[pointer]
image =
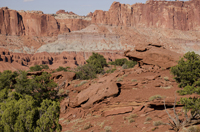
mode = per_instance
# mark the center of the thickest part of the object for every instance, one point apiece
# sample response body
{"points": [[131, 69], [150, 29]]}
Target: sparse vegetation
{"points": [[108, 128], [133, 80], [85, 72], [87, 126], [124, 63], [119, 79], [62, 68], [148, 119], [95, 65], [38, 67], [193, 129], [80, 84], [167, 87], [187, 75], [61, 91], [158, 123], [131, 120], [155, 97], [111, 71], [166, 78]]}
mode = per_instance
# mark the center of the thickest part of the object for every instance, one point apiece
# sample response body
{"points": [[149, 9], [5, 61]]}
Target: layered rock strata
{"points": [[158, 14]]}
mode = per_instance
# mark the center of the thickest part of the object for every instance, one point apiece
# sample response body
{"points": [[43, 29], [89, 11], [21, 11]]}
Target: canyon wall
{"points": [[36, 23], [158, 14]]}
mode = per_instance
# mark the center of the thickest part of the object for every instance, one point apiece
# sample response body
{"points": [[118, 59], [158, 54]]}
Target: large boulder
{"points": [[155, 55], [94, 94]]}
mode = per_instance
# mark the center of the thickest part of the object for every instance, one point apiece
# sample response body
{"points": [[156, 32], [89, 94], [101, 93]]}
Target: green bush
{"points": [[28, 104], [187, 75], [124, 63], [22, 114], [118, 62], [95, 65], [40, 87], [131, 64], [7, 79], [62, 68], [38, 67], [188, 69], [85, 72], [98, 62], [111, 71]]}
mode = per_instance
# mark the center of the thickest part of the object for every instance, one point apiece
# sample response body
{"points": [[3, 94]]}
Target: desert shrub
{"points": [[166, 78], [148, 119], [193, 129], [27, 104], [38, 67], [21, 113], [131, 64], [158, 123], [124, 66], [95, 65], [108, 128], [98, 62], [155, 97], [62, 68], [130, 117], [7, 79], [131, 120], [187, 75], [111, 71], [81, 83], [124, 63], [85, 72], [40, 87], [118, 62], [188, 69]]}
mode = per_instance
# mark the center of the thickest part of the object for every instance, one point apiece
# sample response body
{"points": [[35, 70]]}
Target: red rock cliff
{"points": [[11, 22], [35, 23], [158, 14]]}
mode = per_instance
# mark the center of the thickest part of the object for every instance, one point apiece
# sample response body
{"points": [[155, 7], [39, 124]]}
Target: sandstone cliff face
{"points": [[11, 22], [39, 24], [35, 23], [158, 14], [67, 25]]}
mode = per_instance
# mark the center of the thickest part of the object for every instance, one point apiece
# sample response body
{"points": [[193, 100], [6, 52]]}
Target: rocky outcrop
{"points": [[154, 55], [62, 78], [63, 12], [54, 60], [94, 94], [158, 14]]}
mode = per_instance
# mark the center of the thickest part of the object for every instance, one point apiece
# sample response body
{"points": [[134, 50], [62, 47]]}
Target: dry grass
{"points": [[87, 126], [119, 79], [148, 119], [80, 84], [158, 123], [166, 78], [155, 97], [61, 91], [133, 80], [193, 129], [108, 128]]}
